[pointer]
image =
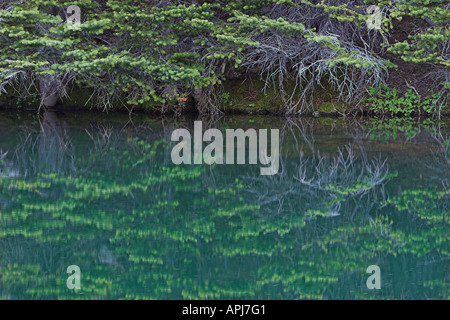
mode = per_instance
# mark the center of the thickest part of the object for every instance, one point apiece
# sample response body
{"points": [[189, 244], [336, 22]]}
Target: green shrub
{"points": [[384, 100]]}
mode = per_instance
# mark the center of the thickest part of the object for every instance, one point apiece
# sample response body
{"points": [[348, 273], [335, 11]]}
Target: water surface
{"points": [[100, 192]]}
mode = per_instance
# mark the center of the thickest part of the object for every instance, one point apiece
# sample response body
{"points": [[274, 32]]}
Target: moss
{"points": [[335, 108], [249, 97]]}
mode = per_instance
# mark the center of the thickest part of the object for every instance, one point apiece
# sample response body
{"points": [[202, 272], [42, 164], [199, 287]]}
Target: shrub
{"points": [[385, 100]]}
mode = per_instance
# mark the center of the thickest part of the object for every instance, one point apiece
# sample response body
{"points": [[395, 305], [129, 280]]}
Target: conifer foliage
{"points": [[142, 52]]}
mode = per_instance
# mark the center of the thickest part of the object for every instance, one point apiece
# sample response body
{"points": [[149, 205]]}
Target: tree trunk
{"points": [[49, 87]]}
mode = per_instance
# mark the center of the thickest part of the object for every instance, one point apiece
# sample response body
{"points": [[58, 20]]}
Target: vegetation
{"points": [[146, 53], [384, 100], [108, 198]]}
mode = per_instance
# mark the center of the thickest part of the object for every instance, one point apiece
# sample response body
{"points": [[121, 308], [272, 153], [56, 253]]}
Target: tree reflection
{"points": [[111, 202]]}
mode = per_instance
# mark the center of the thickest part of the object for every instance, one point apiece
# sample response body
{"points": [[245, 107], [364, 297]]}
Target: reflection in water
{"points": [[104, 195], [54, 149], [46, 150]]}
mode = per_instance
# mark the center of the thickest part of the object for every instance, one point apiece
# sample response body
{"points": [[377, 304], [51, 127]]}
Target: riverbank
{"points": [[237, 96]]}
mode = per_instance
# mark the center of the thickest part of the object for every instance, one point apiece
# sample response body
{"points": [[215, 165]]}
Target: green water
{"points": [[100, 192]]}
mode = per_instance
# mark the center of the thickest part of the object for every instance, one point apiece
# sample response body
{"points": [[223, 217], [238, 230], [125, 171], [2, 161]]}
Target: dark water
{"points": [[100, 192]]}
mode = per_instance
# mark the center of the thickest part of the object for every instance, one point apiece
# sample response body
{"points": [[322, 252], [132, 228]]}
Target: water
{"points": [[100, 192]]}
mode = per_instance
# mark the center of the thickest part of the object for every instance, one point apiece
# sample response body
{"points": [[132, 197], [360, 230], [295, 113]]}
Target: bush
{"points": [[384, 100]]}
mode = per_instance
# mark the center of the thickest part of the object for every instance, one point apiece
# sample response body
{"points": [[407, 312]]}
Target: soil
{"points": [[408, 75]]}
